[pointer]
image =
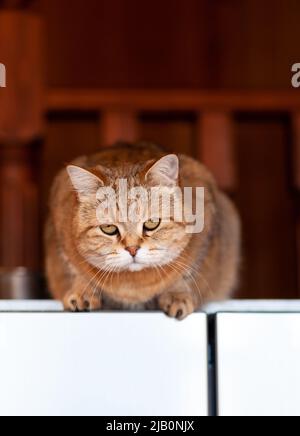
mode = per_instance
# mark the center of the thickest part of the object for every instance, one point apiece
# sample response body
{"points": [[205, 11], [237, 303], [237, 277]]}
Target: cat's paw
{"points": [[76, 301], [177, 305]]}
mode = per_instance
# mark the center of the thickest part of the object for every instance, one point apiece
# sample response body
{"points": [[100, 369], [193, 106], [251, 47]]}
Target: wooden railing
{"points": [[172, 99], [214, 111]]}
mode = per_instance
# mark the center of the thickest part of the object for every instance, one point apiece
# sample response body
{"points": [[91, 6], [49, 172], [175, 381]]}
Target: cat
{"points": [[93, 263]]}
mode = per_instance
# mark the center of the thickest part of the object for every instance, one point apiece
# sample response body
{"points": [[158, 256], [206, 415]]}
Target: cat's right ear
{"points": [[85, 183], [164, 172]]}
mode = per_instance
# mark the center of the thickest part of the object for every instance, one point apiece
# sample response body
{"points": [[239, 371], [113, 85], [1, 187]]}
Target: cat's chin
{"points": [[136, 267]]}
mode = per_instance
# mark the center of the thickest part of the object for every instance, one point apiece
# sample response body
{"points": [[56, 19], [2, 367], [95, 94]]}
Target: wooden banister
{"points": [[176, 99]]}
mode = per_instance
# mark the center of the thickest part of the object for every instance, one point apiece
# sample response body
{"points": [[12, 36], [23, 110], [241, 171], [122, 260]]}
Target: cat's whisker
{"points": [[111, 271], [205, 262], [83, 260], [94, 277], [186, 271], [158, 269], [178, 270], [98, 285], [102, 278], [190, 259], [198, 272]]}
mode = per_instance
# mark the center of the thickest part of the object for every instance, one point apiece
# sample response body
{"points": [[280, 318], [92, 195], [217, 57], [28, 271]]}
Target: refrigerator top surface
{"points": [[231, 306]]}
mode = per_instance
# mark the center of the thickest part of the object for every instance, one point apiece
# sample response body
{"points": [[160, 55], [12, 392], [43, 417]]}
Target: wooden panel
{"points": [[21, 102], [174, 131], [296, 171], [296, 148], [16, 4], [119, 126], [19, 219], [266, 204], [21, 123], [254, 43], [67, 137], [199, 43], [126, 43], [298, 250], [216, 147]]}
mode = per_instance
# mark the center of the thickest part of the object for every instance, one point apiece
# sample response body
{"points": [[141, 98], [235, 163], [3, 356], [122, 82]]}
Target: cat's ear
{"points": [[164, 172], [85, 183]]}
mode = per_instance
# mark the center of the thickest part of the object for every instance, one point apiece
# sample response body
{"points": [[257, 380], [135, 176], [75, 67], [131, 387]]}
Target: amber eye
{"points": [[110, 230], [152, 225]]}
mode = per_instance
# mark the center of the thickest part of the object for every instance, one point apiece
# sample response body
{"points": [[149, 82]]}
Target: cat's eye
{"points": [[110, 230], [152, 225]]}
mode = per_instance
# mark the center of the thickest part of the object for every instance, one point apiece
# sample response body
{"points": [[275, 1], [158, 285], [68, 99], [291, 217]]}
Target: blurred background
{"points": [[207, 78]]}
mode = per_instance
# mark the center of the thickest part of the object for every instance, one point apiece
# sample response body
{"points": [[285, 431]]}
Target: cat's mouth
{"points": [[136, 265], [123, 261]]}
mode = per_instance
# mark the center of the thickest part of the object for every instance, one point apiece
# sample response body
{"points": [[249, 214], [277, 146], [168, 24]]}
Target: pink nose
{"points": [[132, 250]]}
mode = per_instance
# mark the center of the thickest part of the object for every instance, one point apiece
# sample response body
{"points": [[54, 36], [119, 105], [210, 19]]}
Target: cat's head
{"points": [[151, 239]]}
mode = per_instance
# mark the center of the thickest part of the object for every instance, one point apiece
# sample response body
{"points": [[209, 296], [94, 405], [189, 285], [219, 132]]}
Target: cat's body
{"points": [[130, 266]]}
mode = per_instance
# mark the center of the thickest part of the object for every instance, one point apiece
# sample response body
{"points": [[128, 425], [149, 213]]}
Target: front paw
{"points": [[78, 301], [177, 305]]}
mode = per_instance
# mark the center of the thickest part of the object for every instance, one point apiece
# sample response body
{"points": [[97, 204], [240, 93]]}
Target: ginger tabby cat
{"points": [[94, 263]]}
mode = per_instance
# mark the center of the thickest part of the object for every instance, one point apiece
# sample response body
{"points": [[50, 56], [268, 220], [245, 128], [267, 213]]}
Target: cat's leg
{"points": [[178, 302], [82, 297]]}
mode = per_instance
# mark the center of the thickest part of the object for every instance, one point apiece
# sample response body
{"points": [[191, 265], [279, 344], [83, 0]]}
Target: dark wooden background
{"points": [[192, 45]]}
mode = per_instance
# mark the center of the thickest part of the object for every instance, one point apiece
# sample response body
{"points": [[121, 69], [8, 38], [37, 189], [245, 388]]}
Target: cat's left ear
{"points": [[84, 182], [164, 172]]}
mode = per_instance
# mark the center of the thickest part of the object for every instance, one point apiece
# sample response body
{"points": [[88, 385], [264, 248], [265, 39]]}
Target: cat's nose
{"points": [[133, 250]]}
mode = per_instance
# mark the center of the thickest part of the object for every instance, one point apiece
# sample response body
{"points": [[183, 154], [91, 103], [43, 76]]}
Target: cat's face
{"points": [[128, 245], [133, 247]]}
